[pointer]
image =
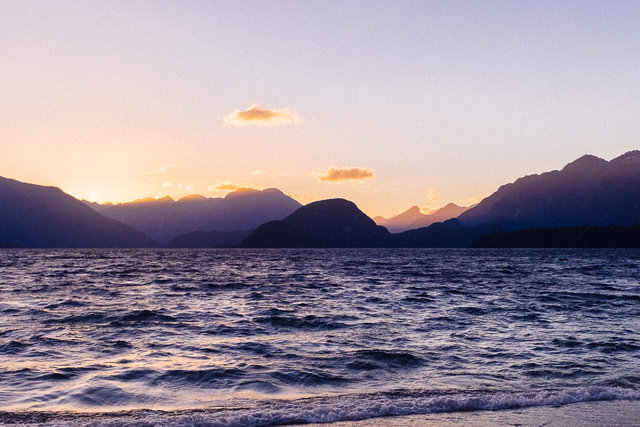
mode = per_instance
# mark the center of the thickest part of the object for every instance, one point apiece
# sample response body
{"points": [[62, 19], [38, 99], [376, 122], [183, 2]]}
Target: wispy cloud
{"points": [[256, 115], [432, 196], [186, 187], [167, 184], [346, 174], [161, 169], [223, 186]]}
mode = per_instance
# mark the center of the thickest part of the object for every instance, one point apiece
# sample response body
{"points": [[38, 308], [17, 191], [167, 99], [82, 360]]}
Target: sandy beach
{"points": [[604, 413]]}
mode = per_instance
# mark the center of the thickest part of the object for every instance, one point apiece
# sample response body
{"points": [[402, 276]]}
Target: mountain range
{"points": [[413, 218], [165, 219], [587, 192], [337, 223]]}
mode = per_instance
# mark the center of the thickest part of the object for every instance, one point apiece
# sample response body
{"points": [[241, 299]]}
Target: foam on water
{"points": [[329, 409]]}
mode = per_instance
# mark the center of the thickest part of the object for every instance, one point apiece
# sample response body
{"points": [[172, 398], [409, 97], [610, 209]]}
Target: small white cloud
{"points": [[256, 115], [167, 184]]}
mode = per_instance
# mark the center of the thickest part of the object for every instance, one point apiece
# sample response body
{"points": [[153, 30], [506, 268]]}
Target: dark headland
{"points": [[586, 236]]}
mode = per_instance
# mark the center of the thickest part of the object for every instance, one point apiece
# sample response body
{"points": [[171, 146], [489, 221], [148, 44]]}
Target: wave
{"points": [[354, 407], [131, 317], [309, 322]]}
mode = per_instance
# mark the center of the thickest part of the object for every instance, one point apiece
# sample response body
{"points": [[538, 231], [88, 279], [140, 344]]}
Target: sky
{"points": [[386, 103]]}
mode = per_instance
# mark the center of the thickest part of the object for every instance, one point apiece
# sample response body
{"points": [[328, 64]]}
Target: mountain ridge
{"points": [[165, 219], [36, 216], [588, 190], [337, 223], [326, 223], [413, 218]]}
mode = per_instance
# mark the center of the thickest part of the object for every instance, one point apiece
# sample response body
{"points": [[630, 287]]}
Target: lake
{"points": [[237, 336]]}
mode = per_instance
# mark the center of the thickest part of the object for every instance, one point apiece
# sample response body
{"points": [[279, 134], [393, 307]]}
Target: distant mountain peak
{"points": [[243, 192], [240, 192], [165, 199], [450, 208], [451, 205], [412, 213], [585, 163], [588, 190], [414, 218], [271, 191], [630, 157], [192, 197]]}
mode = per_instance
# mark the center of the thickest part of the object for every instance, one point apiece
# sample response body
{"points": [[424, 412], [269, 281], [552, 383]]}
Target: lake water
{"points": [[238, 337]]}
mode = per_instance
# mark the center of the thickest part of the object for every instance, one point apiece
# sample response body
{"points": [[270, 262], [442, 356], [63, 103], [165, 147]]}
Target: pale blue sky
{"points": [[457, 97]]}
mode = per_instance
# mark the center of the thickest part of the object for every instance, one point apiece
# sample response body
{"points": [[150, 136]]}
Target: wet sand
{"points": [[604, 413]]}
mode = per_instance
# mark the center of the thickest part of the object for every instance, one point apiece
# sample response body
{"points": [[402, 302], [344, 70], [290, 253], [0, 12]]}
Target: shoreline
{"points": [[594, 413]]}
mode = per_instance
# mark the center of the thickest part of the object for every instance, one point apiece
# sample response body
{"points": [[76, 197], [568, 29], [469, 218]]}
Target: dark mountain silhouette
{"points": [[412, 218], [447, 234], [165, 219], [45, 217], [279, 234], [11, 245], [588, 191], [334, 223], [339, 223], [586, 236], [209, 239], [98, 207]]}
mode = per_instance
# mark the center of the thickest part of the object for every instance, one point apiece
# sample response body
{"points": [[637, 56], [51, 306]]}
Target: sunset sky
{"points": [[385, 103]]}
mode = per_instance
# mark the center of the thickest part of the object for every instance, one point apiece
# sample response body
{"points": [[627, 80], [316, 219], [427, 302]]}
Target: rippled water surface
{"points": [[279, 336]]}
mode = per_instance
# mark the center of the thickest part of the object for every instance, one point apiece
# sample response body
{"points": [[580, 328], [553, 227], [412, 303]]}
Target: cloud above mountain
{"points": [[346, 174], [223, 186], [257, 115], [433, 197]]}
